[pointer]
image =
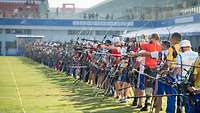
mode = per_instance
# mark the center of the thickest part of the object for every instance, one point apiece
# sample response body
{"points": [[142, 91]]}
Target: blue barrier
{"points": [[101, 23]]}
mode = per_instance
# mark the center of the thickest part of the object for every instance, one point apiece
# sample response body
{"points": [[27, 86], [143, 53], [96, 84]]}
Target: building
{"points": [[23, 8], [98, 24], [57, 30]]}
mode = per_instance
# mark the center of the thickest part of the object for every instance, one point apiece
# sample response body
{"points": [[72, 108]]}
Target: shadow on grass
{"points": [[81, 95]]}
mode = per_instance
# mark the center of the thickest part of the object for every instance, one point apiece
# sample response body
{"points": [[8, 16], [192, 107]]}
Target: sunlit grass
{"points": [[42, 90]]}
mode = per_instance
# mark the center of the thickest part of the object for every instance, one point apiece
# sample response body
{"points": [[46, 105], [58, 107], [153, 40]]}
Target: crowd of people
{"points": [[151, 68]]}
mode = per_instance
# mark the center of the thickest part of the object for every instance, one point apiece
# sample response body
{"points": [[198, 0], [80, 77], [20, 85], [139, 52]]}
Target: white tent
{"points": [[184, 28]]}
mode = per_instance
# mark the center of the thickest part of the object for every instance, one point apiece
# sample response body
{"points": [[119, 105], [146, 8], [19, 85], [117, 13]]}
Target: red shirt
{"points": [[151, 47], [116, 54]]}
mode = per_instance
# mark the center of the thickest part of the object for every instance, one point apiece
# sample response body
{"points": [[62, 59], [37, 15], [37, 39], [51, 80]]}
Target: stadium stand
{"points": [[69, 22], [143, 9], [23, 8]]}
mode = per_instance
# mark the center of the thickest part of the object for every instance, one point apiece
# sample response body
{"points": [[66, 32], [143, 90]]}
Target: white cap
{"points": [[185, 43], [116, 39]]}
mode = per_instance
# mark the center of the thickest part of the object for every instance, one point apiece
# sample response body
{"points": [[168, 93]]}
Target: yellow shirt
{"points": [[197, 73], [170, 57]]}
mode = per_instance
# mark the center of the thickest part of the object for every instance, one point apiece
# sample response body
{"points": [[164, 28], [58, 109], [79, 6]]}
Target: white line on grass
{"points": [[19, 96], [18, 92]]}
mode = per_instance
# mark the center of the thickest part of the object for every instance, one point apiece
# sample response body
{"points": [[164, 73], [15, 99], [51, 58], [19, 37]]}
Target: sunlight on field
{"points": [[26, 86]]}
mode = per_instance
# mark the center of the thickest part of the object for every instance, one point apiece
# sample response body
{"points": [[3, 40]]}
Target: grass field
{"points": [[28, 87]]}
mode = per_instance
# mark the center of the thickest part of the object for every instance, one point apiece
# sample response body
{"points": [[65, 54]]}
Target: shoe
{"points": [[123, 100], [117, 97], [139, 106], [148, 104], [134, 103], [144, 108]]}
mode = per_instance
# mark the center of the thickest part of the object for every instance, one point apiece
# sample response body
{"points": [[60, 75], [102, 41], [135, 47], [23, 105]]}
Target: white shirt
{"points": [[123, 50], [141, 60], [188, 58], [155, 54]]}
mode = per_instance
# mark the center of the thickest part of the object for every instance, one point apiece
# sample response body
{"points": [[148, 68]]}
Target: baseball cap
{"points": [[185, 43]]}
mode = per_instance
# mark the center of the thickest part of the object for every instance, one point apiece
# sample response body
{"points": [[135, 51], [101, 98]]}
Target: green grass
{"points": [[42, 90]]}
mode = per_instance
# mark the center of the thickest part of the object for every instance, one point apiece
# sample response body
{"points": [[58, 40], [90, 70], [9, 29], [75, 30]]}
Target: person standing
{"points": [[194, 104], [173, 52], [150, 66], [185, 59]]}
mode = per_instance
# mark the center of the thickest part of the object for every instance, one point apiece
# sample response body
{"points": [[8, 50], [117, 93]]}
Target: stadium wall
{"points": [[65, 30]]}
